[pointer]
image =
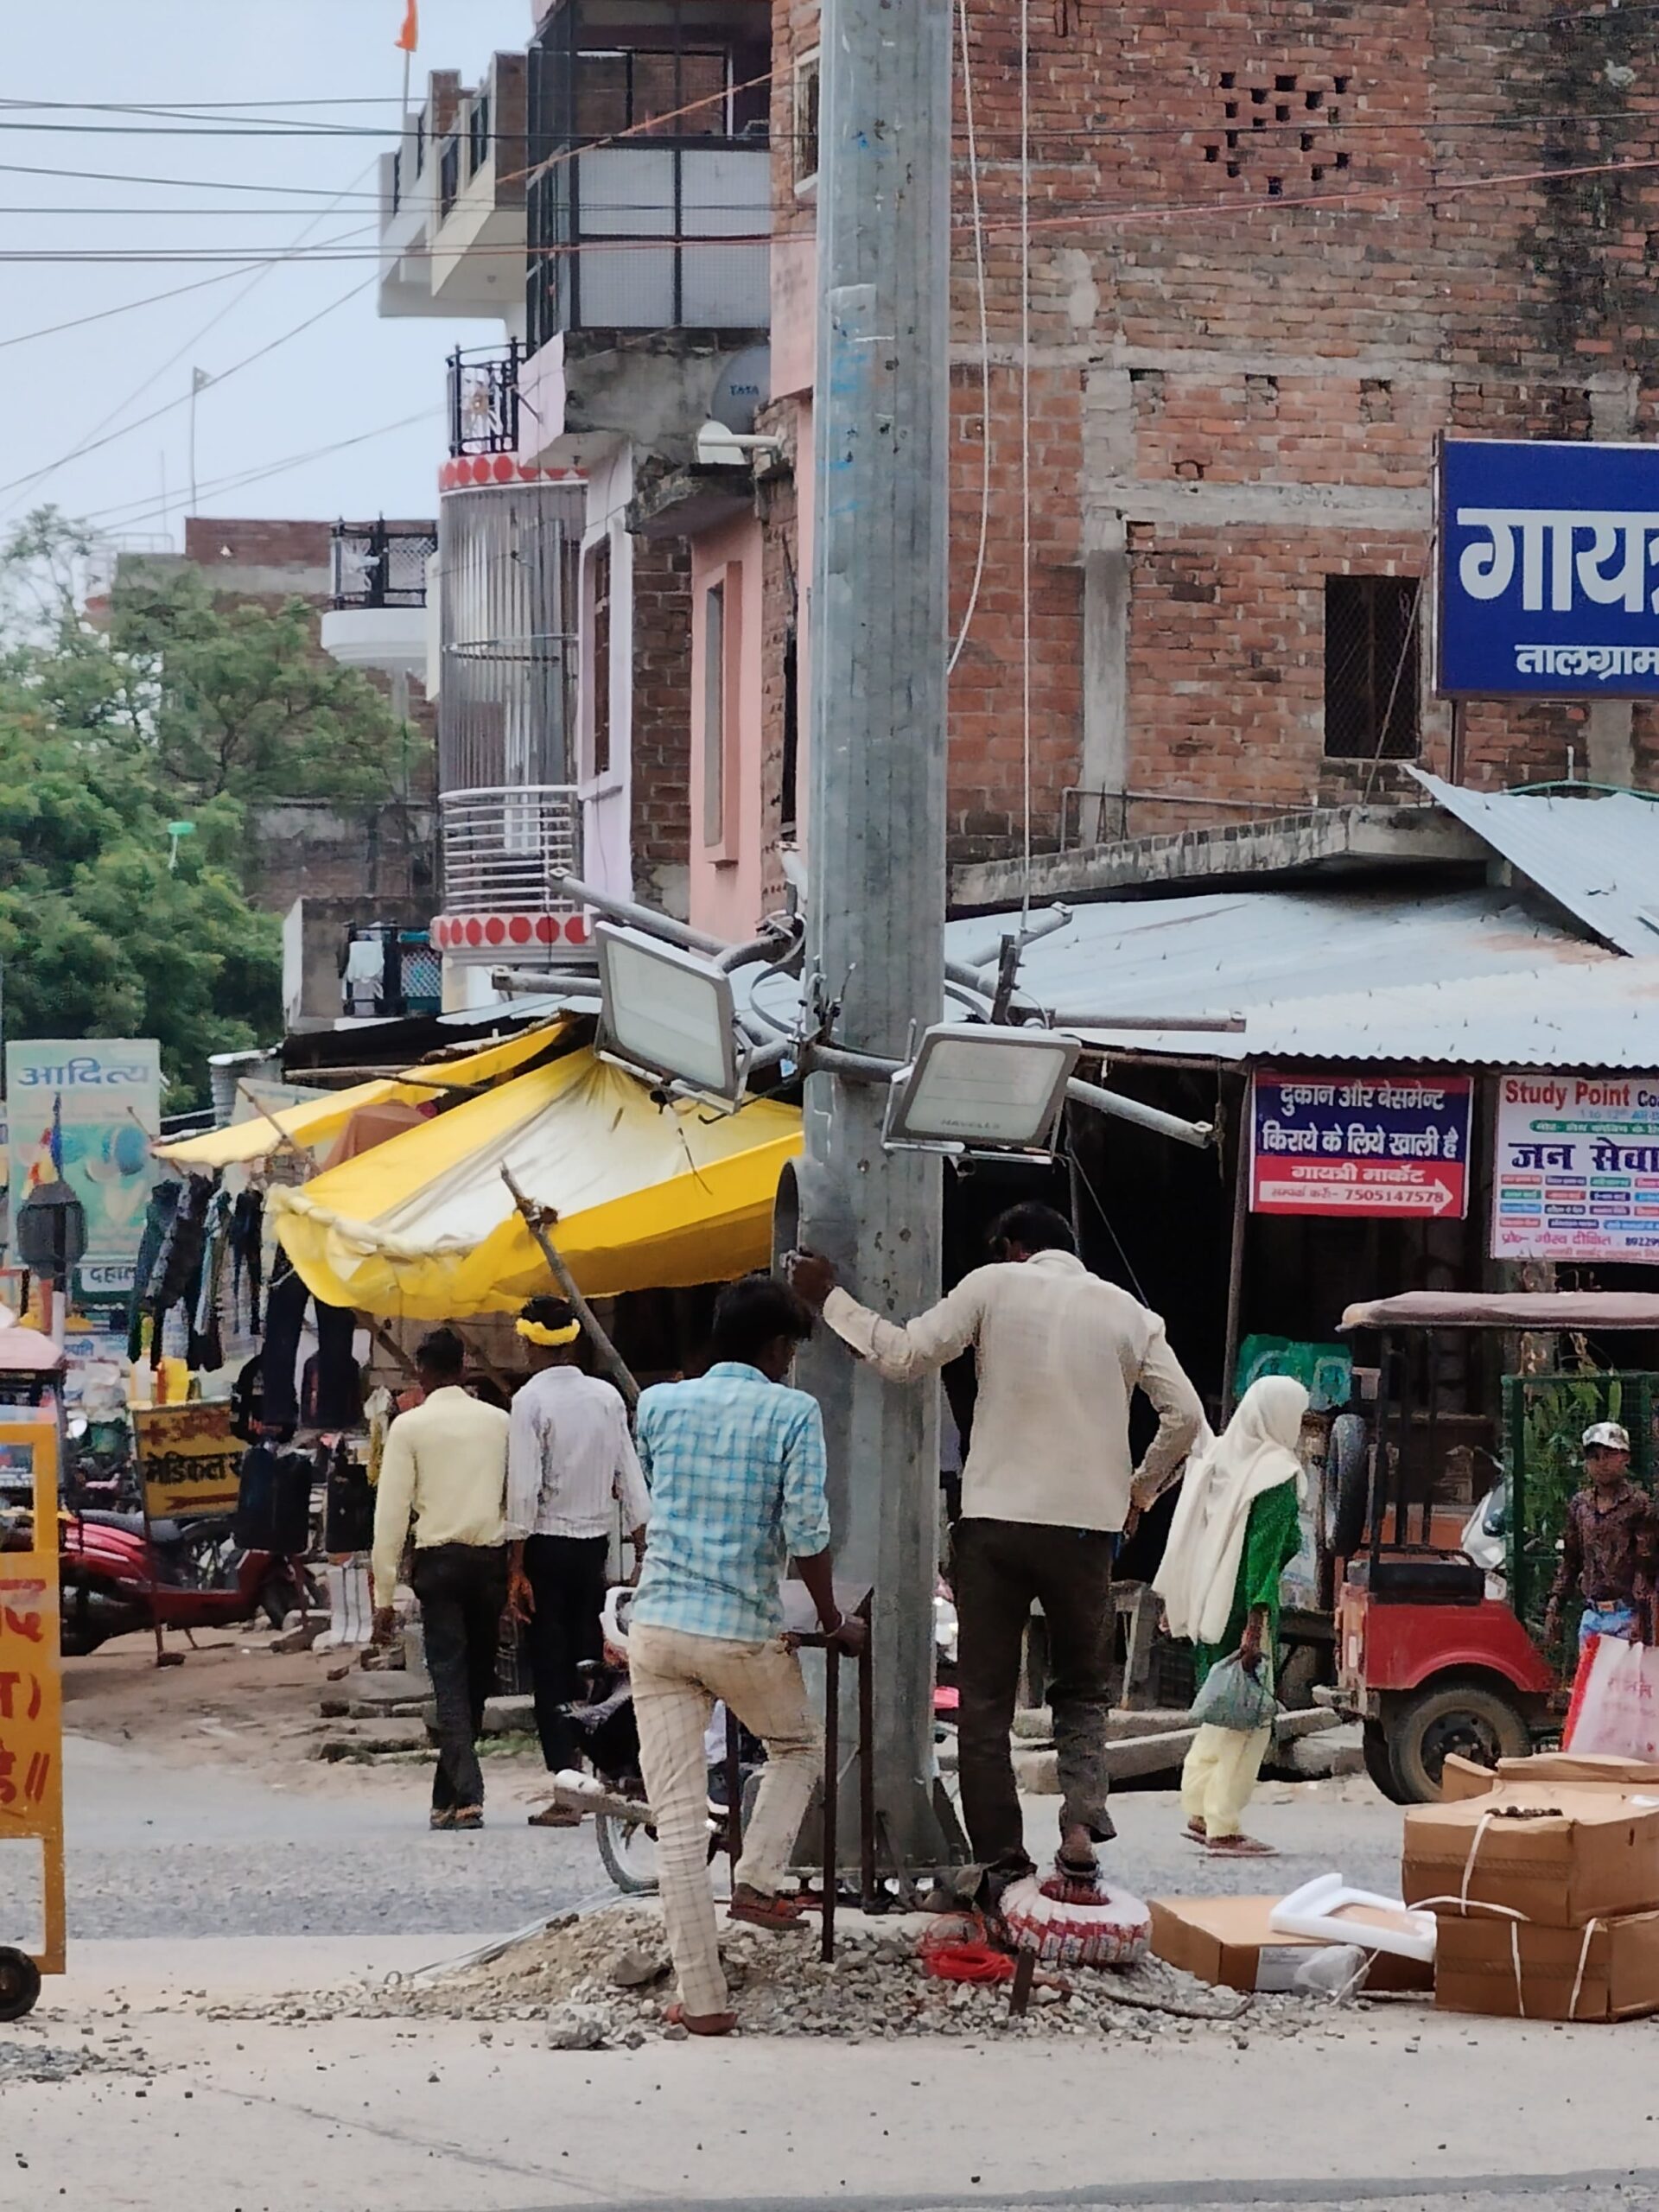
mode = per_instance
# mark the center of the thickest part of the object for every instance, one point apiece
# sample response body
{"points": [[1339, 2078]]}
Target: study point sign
{"points": [[1548, 573], [1576, 1171]]}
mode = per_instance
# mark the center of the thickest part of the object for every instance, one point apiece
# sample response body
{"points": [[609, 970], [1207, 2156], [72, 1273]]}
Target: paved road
{"points": [[174, 1851], [181, 1851]]}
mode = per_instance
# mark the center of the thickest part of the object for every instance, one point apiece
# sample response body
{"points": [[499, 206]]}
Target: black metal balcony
{"points": [[380, 564], [484, 400]]}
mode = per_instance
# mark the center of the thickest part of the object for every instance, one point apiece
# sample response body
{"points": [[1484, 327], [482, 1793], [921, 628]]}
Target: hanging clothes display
{"points": [[285, 1305], [206, 1349], [158, 1222], [332, 1395], [247, 1233], [331, 1392]]}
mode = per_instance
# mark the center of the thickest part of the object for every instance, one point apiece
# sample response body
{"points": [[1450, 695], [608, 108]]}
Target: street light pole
{"points": [[877, 868]]}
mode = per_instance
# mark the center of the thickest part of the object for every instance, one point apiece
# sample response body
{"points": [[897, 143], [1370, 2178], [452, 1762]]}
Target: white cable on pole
{"points": [[972, 607], [1025, 449]]}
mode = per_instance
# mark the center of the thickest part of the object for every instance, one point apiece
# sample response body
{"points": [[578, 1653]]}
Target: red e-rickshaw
{"points": [[1426, 1658]]}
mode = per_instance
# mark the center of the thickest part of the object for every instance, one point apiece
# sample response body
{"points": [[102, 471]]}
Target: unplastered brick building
{"points": [[1265, 277]]}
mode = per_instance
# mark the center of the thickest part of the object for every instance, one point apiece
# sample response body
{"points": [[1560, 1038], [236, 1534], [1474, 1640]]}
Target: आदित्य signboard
{"points": [[189, 1461], [85, 1112], [1358, 1142], [1548, 570], [1576, 1171]]}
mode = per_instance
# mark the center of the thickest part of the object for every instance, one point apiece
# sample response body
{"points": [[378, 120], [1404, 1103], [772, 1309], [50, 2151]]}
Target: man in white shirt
{"points": [[569, 1461], [1048, 1484], [446, 1468]]}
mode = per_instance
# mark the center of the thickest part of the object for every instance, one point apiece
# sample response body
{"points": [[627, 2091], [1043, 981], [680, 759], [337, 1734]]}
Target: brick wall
{"points": [[1232, 402], [661, 743]]}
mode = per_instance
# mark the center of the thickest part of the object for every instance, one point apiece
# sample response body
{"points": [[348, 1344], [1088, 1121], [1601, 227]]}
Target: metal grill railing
{"points": [[484, 400], [378, 564], [504, 850]]}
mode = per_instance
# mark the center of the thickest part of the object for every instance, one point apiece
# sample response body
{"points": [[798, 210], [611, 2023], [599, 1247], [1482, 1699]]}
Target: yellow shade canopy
{"points": [[647, 1197], [313, 1126]]}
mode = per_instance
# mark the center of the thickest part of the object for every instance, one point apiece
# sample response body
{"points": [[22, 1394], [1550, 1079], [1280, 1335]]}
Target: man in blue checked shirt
{"points": [[735, 1461]]}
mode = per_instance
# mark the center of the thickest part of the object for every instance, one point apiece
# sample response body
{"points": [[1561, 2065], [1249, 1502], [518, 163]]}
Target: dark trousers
{"points": [[567, 1580], [1001, 1567], [463, 1592]]}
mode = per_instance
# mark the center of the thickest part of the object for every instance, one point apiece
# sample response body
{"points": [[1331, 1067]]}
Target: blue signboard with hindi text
{"points": [[1548, 570]]}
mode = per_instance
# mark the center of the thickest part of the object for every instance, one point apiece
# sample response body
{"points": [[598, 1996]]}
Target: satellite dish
{"points": [[744, 388]]}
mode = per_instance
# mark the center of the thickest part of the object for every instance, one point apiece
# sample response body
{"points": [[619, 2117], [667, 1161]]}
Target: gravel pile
{"points": [[25, 2055], [603, 1979]]}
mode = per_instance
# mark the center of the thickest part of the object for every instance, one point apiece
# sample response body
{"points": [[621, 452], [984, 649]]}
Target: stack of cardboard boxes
{"points": [[1544, 1878]]}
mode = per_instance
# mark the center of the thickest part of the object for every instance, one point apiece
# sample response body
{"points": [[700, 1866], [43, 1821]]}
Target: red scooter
{"points": [[116, 1578]]}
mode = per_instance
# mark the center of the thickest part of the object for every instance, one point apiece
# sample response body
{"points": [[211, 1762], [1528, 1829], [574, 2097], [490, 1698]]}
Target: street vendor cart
{"points": [[1428, 1659]]}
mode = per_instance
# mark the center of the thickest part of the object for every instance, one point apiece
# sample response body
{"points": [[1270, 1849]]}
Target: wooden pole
{"points": [[535, 1219]]}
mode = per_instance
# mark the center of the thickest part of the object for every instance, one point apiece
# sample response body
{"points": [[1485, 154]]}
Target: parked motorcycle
{"points": [[117, 1577]]}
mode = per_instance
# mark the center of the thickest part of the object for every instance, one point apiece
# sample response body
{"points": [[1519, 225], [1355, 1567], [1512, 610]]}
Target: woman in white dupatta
{"points": [[1237, 1526]]}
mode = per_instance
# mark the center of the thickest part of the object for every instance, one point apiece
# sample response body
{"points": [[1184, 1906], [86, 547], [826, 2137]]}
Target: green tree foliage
{"points": [[174, 710]]}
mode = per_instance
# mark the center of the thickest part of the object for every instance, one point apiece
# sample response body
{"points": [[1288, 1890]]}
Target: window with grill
{"points": [[806, 121], [599, 657], [1372, 668], [653, 92], [478, 133], [714, 715]]}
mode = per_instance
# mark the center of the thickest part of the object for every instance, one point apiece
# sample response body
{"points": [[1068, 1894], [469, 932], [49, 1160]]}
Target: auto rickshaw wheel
{"points": [[20, 1984], [1379, 1762], [1466, 1717]]}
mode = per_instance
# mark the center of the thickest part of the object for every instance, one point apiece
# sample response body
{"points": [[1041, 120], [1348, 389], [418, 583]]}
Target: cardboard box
{"points": [[1227, 1941], [1613, 1965], [1583, 1771], [1556, 1854], [1580, 1768], [1462, 1777]]}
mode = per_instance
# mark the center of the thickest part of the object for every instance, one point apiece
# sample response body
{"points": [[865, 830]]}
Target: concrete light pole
{"points": [[877, 878]]}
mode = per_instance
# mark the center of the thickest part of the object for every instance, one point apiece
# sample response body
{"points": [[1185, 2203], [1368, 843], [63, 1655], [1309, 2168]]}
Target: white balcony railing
{"points": [[505, 851]]}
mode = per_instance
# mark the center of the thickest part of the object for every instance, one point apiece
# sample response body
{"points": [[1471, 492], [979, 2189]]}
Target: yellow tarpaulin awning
{"points": [[647, 1197], [314, 1127]]}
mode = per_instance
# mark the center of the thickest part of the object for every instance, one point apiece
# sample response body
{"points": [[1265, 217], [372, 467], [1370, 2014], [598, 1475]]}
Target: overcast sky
{"points": [[353, 373]]}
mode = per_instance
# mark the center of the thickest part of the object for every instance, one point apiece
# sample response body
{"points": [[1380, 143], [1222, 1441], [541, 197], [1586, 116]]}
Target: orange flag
{"points": [[409, 37]]}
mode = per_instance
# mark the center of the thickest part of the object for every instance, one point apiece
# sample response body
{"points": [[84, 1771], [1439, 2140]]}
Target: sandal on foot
{"points": [[700, 2024], [556, 1815], [779, 1915], [1240, 1846], [467, 1816], [1197, 1831], [442, 1817]]}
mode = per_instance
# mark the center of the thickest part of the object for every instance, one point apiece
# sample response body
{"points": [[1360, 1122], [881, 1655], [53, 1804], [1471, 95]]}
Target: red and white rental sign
{"points": [[1353, 1141]]}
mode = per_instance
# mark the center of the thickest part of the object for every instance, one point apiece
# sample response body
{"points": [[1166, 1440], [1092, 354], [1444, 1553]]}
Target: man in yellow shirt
{"points": [[445, 1469]]}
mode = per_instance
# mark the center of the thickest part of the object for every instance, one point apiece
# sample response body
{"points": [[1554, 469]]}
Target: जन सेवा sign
{"points": [[190, 1462], [1548, 582], [1358, 1142], [1576, 1171]]}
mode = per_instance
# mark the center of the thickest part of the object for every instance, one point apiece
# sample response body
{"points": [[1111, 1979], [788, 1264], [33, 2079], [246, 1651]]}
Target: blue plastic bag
{"points": [[1233, 1698]]}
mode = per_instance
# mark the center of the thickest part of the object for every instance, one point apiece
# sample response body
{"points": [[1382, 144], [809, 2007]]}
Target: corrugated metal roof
{"points": [[1241, 953], [1596, 855], [1555, 1017]]}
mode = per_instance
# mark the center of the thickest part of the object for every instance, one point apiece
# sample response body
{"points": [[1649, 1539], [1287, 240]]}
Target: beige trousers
{"points": [[1219, 1774], [676, 1679]]}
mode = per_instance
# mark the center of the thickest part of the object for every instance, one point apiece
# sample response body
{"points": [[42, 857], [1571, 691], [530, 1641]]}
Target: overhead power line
{"points": [[122, 516], [126, 307], [95, 445]]}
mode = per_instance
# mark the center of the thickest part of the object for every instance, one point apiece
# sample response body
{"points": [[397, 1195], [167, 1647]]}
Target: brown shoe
{"points": [[756, 1910], [555, 1816]]}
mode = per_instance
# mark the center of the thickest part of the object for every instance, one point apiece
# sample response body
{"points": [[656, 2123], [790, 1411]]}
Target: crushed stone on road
{"points": [[603, 1978], [25, 2055]]}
